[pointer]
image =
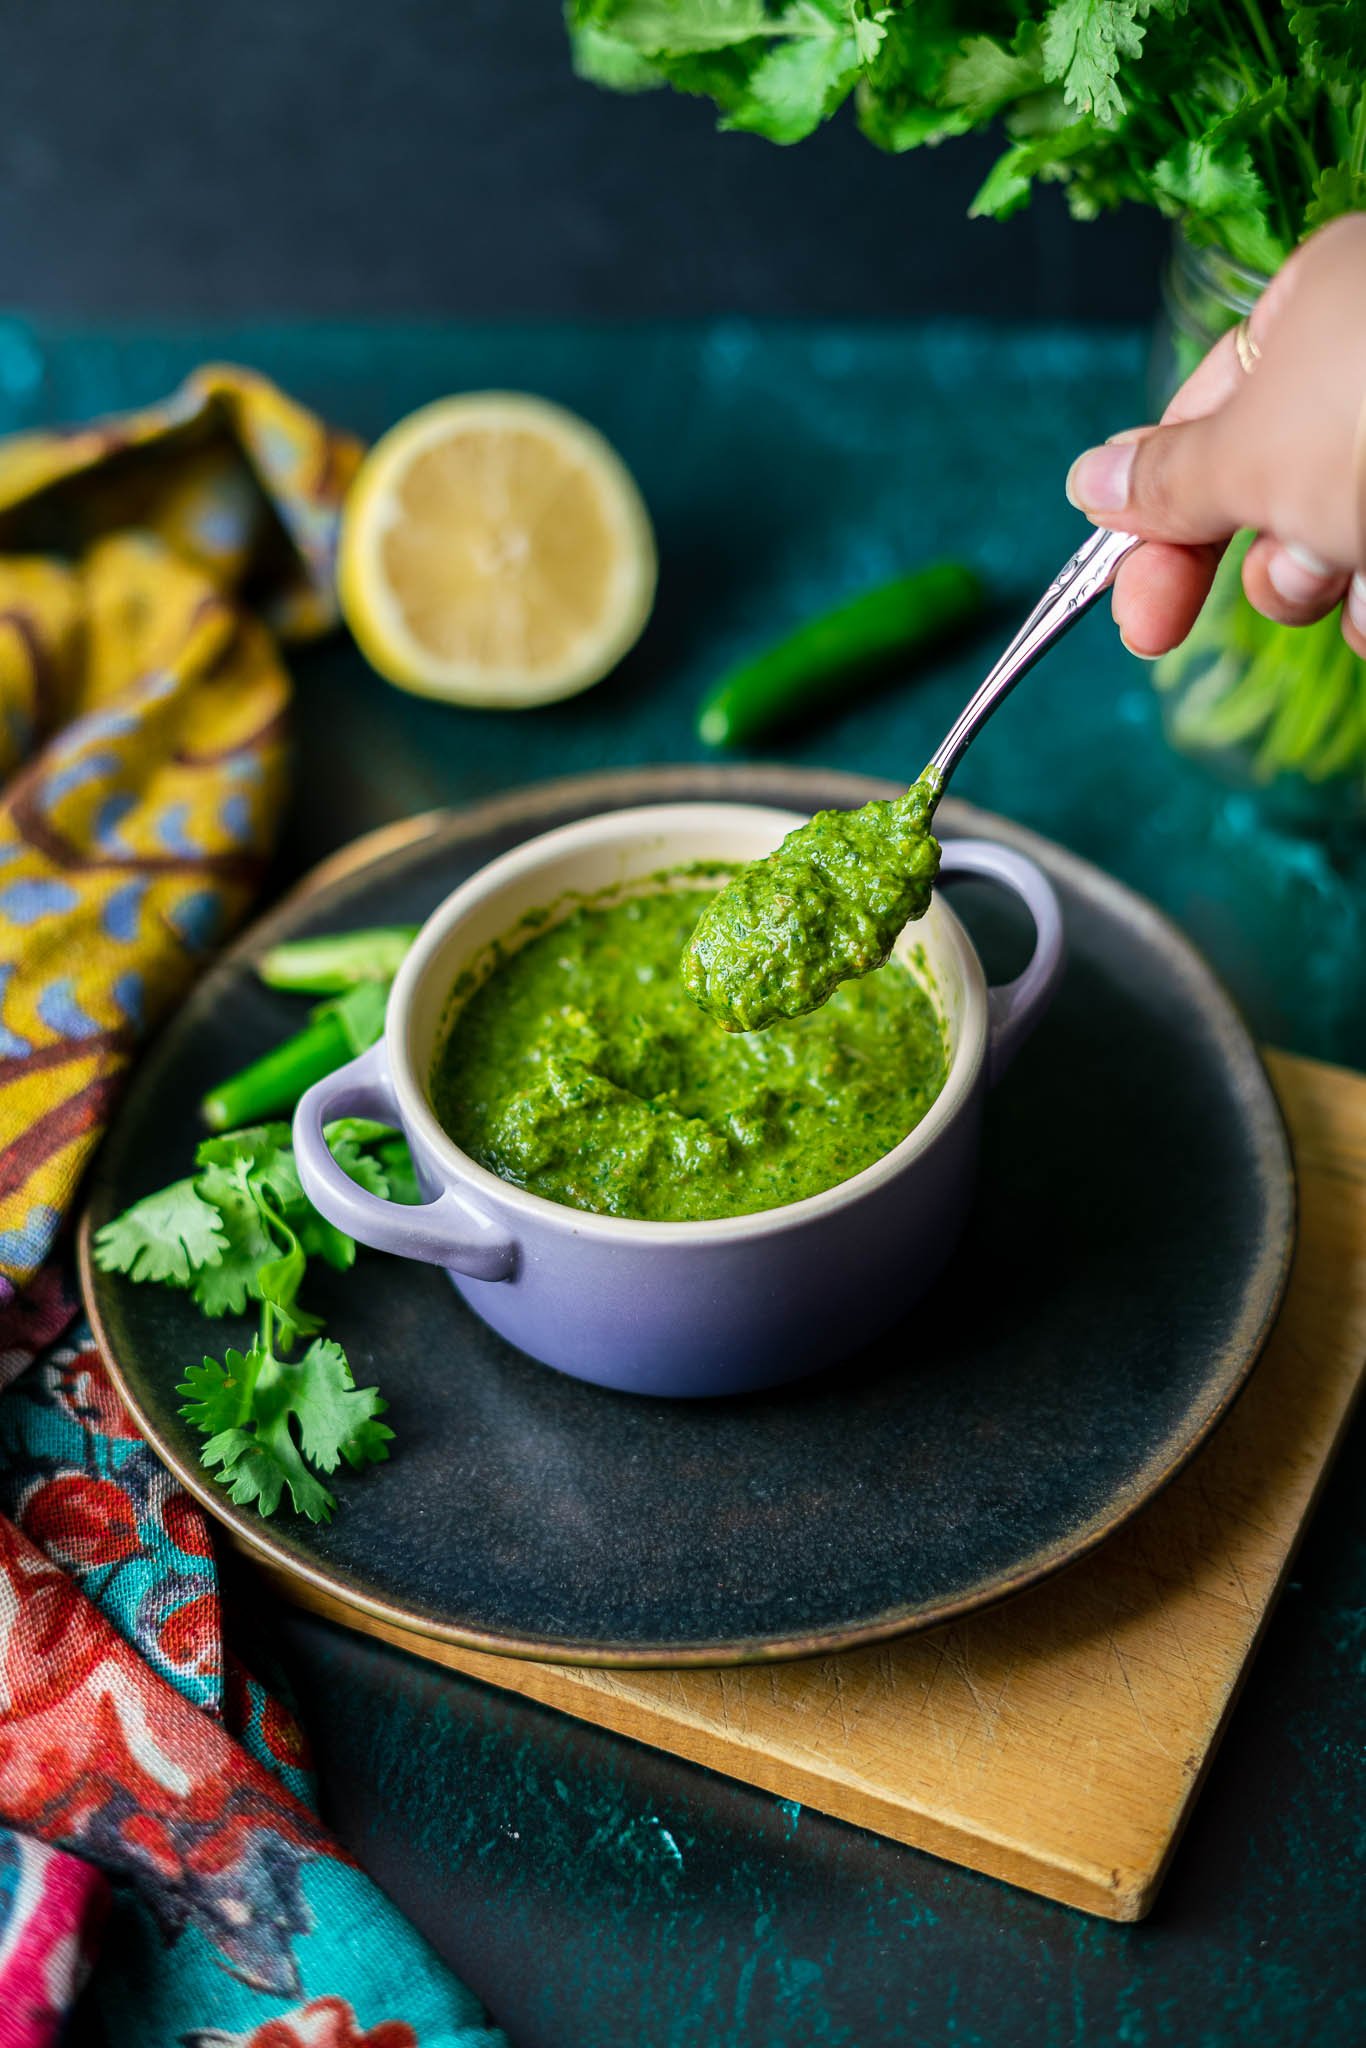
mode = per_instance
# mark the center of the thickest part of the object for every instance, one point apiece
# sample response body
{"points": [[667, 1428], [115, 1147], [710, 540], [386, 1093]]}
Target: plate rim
{"points": [[527, 804]]}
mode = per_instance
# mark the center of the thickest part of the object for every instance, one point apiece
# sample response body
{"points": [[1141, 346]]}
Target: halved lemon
{"points": [[495, 551]]}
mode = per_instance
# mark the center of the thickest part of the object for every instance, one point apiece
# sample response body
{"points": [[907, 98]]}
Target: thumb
{"points": [[1184, 483]]}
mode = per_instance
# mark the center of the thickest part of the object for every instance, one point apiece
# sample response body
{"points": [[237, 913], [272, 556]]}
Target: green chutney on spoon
{"points": [[830, 903], [826, 906]]}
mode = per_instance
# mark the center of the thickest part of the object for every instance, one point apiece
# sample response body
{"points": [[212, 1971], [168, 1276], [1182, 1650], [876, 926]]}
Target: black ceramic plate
{"points": [[1123, 1263]]}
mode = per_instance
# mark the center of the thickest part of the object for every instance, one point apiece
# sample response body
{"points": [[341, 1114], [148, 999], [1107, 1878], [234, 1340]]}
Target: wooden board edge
{"points": [[1327, 1462], [1119, 1894], [1123, 1895], [1112, 1894]]}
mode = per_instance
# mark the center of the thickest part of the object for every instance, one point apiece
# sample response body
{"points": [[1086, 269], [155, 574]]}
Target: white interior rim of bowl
{"points": [[965, 1065]]}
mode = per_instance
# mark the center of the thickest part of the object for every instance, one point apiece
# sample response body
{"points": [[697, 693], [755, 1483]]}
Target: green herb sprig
{"points": [[1292, 696], [241, 1230], [1243, 120]]}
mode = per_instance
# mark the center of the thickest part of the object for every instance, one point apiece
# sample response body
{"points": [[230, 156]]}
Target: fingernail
{"points": [[1137, 652], [1098, 481], [1356, 602], [1296, 574]]}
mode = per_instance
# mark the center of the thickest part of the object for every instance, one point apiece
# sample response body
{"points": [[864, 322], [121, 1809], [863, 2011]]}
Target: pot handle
{"points": [[1014, 1007], [445, 1232]]}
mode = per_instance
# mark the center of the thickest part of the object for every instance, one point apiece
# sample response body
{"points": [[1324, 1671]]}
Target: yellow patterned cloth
{"points": [[147, 565]]}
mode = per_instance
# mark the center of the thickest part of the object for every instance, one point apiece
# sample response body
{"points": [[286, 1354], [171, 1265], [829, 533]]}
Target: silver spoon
{"points": [[1075, 588]]}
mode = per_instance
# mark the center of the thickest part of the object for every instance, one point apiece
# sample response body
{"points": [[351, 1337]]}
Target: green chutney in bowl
{"points": [[620, 1187], [581, 1070]]}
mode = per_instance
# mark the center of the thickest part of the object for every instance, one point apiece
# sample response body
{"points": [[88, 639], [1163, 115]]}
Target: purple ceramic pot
{"points": [[686, 1309]]}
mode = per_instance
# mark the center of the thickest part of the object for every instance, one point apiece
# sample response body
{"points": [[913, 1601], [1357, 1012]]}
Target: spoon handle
{"points": [[1073, 591]]}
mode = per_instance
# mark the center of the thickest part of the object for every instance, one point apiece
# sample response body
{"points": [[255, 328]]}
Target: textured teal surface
{"points": [[600, 1895], [596, 1894], [788, 466]]}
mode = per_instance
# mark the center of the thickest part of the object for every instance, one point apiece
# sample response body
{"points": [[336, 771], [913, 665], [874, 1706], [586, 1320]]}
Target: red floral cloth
{"points": [[135, 1753]]}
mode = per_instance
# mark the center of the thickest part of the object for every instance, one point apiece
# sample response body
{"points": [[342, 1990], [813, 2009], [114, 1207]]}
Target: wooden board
{"points": [[1056, 1741]]}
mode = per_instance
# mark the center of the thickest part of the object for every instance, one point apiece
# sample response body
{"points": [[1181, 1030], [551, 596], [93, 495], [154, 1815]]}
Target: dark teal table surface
{"points": [[597, 1894]]}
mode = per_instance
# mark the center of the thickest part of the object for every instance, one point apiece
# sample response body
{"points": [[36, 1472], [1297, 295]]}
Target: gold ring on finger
{"points": [[1249, 355]]}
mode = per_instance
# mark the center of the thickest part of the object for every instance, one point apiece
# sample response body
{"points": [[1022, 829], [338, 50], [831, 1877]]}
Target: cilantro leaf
{"points": [[911, 125], [322, 1240], [1248, 116], [797, 85], [250, 1408], [983, 75], [1338, 189], [1220, 190], [774, 71], [397, 1163], [1009, 181], [360, 1130], [229, 1404], [360, 1166], [901, 99], [1333, 38], [603, 59], [1084, 42], [291, 1208], [256, 1471], [870, 32], [245, 1215], [226, 1287], [172, 1236], [673, 27], [259, 1159], [337, 1419], [257, 1145]]}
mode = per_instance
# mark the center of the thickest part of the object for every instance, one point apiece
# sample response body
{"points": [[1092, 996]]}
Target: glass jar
{"points": [[1279, 710], [1204, 293]]}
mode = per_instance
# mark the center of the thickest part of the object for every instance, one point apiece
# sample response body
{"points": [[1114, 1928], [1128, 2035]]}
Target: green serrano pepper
{"points": [[336, 961], [270, 1086], [815, 665]]}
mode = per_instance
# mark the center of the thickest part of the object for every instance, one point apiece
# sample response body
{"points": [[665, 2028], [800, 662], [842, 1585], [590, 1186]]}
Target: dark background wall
{"points": [[439, 157]]}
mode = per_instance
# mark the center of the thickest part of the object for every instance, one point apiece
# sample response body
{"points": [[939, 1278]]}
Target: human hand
{"points": [[1280, 448]]}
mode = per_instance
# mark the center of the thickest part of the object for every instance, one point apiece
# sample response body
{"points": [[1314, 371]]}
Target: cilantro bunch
{"points": [[240, 1230], [1244, 120]]}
